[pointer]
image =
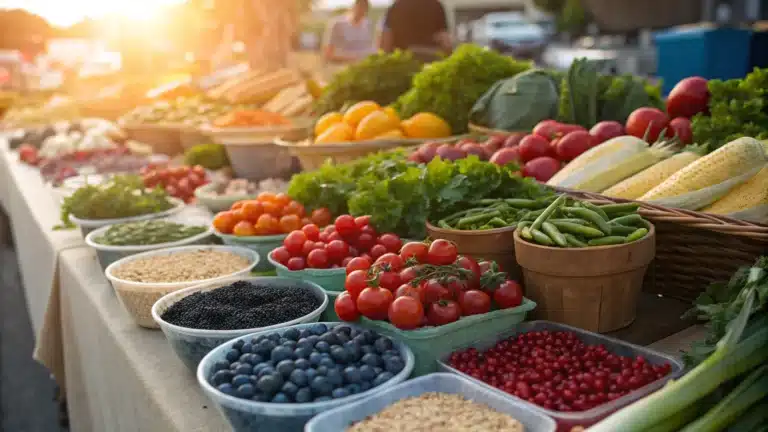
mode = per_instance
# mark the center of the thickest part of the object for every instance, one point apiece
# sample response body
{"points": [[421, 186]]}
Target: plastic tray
{"points": [[262, 245], [251, 416], [431, 343], [330, 279], [340, 419], [565, 421]]}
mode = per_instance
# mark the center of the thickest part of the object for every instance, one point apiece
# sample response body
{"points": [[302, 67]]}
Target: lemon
{"points": [[426, 125], [336, 133], [375, 124], [326, 121], [357, 112]]}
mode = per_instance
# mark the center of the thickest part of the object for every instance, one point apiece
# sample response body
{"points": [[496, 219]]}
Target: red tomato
{"points": [[358, 263], [494, 143], [356, 282], [345, 262], [606, 130], [443, 312], [455, 286], [389, 280], [546, 128], [29, 154], [406, 313], [321, 217], [513, 140], [450, 153], [435, 291], [281, 255], [442, 252], [681, 128], [474, 302], [414, 250], [573, 144], [311, 231], [367, 229], [428, 151], [373, 303], [294, 242], [391, 241], [337, 250], [542, 169], [415, 157], [309, 246], [408, 274], [508, 295], [318, 258], [362, 221], [647, 120], [377, 251], [506, 155], [296, 263], [688, 98], [409, 290], [366, 241], [474, 149], [470, 264], [345, 226], [390, 261], [346, 308], [534, 146], [335, 236]]}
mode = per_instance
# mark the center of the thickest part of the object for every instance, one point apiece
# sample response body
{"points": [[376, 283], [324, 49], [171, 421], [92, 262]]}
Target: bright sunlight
{"points": [[65, 13]]}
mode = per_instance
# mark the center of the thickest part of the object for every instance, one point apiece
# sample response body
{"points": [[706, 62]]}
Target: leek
{"points": [[675, 422], [752, 420]]}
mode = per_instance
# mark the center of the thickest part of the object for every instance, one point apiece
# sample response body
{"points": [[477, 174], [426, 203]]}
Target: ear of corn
{"points": [[710, 177], [622, 146], [748, 200], [640, 183]]}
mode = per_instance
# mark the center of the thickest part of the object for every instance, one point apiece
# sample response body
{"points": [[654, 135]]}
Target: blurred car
{"points": [[511, 32]]}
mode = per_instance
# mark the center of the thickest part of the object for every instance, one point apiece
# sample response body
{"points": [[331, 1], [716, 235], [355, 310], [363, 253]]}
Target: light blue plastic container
{"points": [[330, 279], [341, 418], [263, 245]]}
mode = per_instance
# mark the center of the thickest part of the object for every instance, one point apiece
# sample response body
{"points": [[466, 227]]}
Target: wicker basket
{"points": [[694, 249], [482, 130]]}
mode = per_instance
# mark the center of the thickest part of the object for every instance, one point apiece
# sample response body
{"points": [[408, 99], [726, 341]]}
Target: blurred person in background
{"points": [[349, 37], [419, 26]]}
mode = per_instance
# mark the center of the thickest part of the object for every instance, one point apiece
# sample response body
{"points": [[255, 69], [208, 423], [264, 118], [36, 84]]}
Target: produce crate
{"points": [[693, 249]]}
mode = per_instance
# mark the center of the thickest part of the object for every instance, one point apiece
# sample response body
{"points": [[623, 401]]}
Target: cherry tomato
{"points": [[367, 229], [337, 250], [243, 229], [321, 217], [415, 250], [266, 197], [488, 266], [345, 225], [346, 308], [356, 282], [311, 231], [435, 291], [289, 223], [335, 236], [272, 208], [224, 222], [238, 204], [281, 255], [680, 127], [294, 242], [474, 302], [442, 252], [365, 241], [377, 251], [309, 246], [296, 263], [318, 258], [267, 224], [323, 237], [294, 208], [455, 286], [508, 295], [407, 289], [468, 263], [199, 170], [358, 263], [443, 312], [362, 221], [408, 274], [171, 190], [373, 303], [406, 313], [282, 200], [391, 241], [329, 229], [389, 280], [390, 261], [252, 210]]}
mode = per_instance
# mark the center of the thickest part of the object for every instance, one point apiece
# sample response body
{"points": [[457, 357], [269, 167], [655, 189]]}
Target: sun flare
{"points": [[65, 13]]}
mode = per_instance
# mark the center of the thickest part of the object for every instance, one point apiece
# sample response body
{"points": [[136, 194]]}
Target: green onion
{"points": [[752, 420]]}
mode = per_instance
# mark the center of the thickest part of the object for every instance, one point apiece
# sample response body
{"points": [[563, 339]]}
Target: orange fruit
{"points": [[392, 113], [426, 125], [326, 121], [243, 229], [375, 124], [340, 132], [391, 134], [357, 112]]}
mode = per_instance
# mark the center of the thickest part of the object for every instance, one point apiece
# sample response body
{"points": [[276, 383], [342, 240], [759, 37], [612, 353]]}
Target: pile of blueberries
{"points": [[312, 364]]}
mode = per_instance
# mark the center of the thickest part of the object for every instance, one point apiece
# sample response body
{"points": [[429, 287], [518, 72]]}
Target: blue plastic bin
{"points": [[712, 53]]}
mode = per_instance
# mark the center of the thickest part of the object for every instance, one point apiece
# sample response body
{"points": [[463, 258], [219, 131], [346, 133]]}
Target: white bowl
{"points": [[88, 225], [139, 297]]}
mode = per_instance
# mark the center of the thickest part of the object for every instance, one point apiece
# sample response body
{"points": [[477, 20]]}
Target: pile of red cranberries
{"points": [[557, 371]]}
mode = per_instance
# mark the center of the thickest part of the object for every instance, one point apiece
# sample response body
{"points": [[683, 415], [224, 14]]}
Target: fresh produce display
{"points": [[491, 213], [557, 370], [267, 88], [437, 411], [423, 285], [334, 246], [181, 266], [570, 223], [250, 118], [367, 120], [209, 156], [268, 214], [192, 111], [241, 305], [241, 187], [728, 385], [55, 108], [450, 87], [380, 78], [147, 233], [314, 364], [179, 182], [121, 196]]}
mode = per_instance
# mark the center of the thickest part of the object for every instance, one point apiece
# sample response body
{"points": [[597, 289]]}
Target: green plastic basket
{"points": [[429, 344], [263, 245], [329, 279], [329, 314]]}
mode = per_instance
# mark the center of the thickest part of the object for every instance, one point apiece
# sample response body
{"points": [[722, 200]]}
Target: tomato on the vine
{"points": [[337, 250], [409, 273], [311, 231], [318, 258], [389, 280], [443, 312], [486, 266], [468, 263], [345, 307], [356, 282], [373, 303], [358, 263], [409, 290], [391, 261], [442, 252], [474, 302], [377, 251], [391, 241], [435, 291], [281, 255], [455, 285], [406, 313], [508, 295], [345, 226], [415, 250]]}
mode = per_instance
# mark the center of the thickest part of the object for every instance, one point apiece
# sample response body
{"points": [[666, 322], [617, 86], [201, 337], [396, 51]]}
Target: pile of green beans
{"points": [[571, 223], [495, 213]]}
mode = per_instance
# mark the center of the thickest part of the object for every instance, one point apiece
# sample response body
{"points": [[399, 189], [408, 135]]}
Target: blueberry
{"points": [[327, 362], [257, 340], [244, 369], [360, 339], [371, 359], [265, 348], [281, 398], [238, 344], [365, 386], [226, 388], [270, 384], [339, 354], [267, 370], [343, 338], [353, 351], [289, 344], [330, 338], [247, 348], [335, 377], [274, 337], [378, 370], [302, 352], [233, 355], [367, 373], [323, 399], [302, 363], [382, 378], [354, 388], [292, 334], [315, 358], [239, 380], [285, 367], [322, 370], [367, 349], [222, 377], [283, 340], [304, 395], [352, 375], [245, 391], [304, 333], [383, 344], [392, 352], [343, 329], [244, 358], [311, 373], [340, 393], [323, 346], [281, 353], [289, 389], [321, 386], [318, 329], [299, 377], [220, 365], [394, 364], [257, 368], [370, 336], [260, 397], [234, 365], [255, 359], [304, 343], [253, 380], [353, 333]]}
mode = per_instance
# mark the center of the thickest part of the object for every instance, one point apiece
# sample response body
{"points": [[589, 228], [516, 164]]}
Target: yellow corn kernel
{"points": [[624, 144], [750, 194], [640, 183]]}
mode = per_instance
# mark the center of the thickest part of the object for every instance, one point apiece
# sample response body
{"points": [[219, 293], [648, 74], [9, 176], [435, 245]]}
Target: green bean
{"points": [[621, 230], [531, 216], [523, 203], [570, 220], [574, 241], [596, 209], [577, 229], [554, 234], [521, 225], [607, 241], [482, 217], [614, 209], [541, 238], [487, 201], [630, 220], [443, 224], [498, 222], [548, 212], [637, 235], [591, 217], [526, 233], [458, 215]]}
